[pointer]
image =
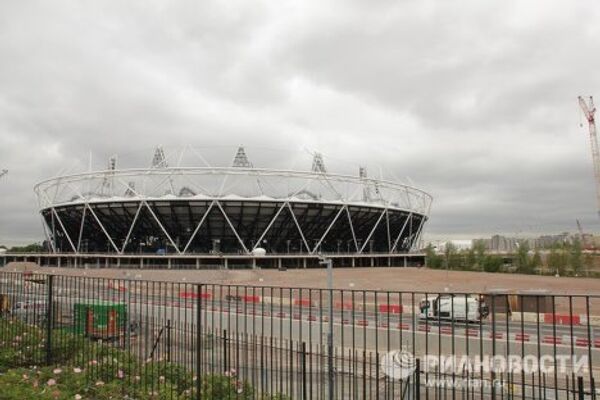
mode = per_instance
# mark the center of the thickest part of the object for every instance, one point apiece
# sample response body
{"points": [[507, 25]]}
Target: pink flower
{"points": [[25, 376], [161, 378], [78, 397], [51, 382], [77, 370], [56, 371], [120, 374]]}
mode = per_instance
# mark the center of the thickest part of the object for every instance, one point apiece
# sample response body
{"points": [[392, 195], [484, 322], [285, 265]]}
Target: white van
{"points": [[449, 307]]}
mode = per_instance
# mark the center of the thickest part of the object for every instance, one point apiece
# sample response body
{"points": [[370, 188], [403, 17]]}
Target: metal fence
{"points": [[304, 343]]}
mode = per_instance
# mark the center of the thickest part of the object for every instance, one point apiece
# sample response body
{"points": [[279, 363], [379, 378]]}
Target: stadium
{"points": [[229, 209]]}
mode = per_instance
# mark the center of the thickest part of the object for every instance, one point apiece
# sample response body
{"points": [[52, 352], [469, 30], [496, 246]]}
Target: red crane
{"points": [[589, 110]]}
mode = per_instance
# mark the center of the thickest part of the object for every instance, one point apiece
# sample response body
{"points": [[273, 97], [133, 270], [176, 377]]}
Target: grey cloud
{"points": [[474, 101]]}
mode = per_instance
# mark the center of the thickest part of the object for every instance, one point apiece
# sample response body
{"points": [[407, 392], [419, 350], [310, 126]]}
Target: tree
{"points": [[576, 257], [536, 262], [479, 248], [492, 263], [588, 262], [470, 259], [432, 259], [556, 261], [522, 259], [451, 255], [30, 248]]}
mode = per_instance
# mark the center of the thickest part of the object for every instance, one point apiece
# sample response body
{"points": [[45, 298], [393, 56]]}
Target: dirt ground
{"points": [[393, 279]]}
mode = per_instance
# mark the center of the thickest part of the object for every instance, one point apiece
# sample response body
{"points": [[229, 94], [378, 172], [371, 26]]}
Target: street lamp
{"points": [[329, 263]]}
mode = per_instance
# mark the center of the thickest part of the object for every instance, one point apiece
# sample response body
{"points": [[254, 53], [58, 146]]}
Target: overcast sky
{"points": [[474, 101]]}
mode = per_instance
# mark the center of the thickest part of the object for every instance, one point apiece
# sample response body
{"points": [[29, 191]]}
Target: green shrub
{"points": [[492, 263], [225, 388], [95, 370]]}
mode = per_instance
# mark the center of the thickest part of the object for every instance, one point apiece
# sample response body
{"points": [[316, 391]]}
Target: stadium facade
{"points": [[239, 209]]}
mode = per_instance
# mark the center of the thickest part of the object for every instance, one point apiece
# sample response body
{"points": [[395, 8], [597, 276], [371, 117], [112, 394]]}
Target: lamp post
{"points": [[328, 262]]}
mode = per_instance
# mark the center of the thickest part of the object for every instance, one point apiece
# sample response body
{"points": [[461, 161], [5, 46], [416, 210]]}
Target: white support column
{"points": [[418, 234], [81, 228], [269, 226], [299, 228], [401, 232], [198, 226], [232, 227], [161, 226], [352, 228], [387, 224], [102, 228], [46, 232], [372, 231], [137, 213], [64, 230], [328, 229]]}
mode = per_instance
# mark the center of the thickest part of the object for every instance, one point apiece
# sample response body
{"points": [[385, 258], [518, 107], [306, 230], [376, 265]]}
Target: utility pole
{"points": [[589, 110]]}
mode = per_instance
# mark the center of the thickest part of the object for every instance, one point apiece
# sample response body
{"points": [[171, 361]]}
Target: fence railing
{"points": [[190, 340]]}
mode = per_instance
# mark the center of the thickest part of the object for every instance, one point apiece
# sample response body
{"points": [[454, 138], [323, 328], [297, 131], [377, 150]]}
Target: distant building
{"points": [[503, 244], [458, 245], [546, 241]]}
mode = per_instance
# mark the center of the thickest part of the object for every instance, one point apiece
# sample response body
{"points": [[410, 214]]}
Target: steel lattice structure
{"points": [[229, 210]]}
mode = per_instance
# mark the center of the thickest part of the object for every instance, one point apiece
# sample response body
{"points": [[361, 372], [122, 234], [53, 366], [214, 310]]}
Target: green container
{"points": [[99, 313]]}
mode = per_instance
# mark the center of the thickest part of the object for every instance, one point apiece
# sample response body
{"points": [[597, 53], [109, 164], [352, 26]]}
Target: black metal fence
{"points": [[187, 340]]}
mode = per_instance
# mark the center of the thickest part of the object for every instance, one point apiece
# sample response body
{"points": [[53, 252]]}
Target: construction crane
{"points": [[589, 110], [579, 228], [585, 239]]}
